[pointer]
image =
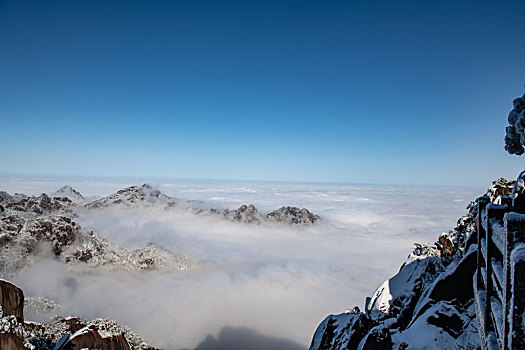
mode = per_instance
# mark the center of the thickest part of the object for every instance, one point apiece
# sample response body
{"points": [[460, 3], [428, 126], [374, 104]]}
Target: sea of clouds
{"points": [[267, 285]]}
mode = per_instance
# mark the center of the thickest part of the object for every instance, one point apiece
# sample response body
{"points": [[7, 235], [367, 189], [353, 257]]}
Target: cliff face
{"points": [[428, 304]]}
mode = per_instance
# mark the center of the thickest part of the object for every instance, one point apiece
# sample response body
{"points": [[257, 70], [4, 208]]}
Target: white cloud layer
{"points": [[277, 279]]}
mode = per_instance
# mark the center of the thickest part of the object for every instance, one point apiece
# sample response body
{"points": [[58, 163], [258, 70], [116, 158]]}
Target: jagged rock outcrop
{"points": [[515, 132], [40, 205], [69, 192], [145, 195], [292, 215], [343, 331], [500, 187], [24, 235]]}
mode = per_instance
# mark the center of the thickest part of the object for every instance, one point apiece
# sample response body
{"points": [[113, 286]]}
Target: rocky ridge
{"points": [[16, 333], [428, 304], [147, 196]]}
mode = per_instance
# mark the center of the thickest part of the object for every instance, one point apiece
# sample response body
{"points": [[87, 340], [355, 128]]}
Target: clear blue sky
{"points": [[409, 92]]}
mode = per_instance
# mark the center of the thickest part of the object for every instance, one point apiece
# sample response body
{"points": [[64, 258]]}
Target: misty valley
{"points": [[206, 265]]}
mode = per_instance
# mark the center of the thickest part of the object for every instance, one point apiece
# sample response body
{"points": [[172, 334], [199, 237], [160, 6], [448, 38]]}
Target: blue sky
{"points": [[403, 92]]}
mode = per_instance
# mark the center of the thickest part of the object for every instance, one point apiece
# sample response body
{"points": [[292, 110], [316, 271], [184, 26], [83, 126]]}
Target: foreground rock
{"points": [[60, 333], [429, 303], [12, 300]]}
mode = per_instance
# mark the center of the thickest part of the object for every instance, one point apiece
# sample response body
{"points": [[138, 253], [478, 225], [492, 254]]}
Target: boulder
{"points": [[90, 337], [292, 215], [12, 300]]}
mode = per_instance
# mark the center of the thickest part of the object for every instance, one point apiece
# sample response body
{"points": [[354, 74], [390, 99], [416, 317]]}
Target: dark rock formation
{"points": [[40, 205], [500, 187], [456, 282], [90, 337], [246, 214], [518, 194], [343, 331], [69, 192], [292, 215], [378, 338], [12, 300], [515, 138]]}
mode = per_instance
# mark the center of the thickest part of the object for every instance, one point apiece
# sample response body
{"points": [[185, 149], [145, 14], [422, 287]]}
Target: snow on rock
{"points": [[397, 297], [442, 326], [12, 333], [26, 236], [343, 331], [92, 337], [515, 137], [40, 205], [148, 196], [250, 215], [70, 193], [500, 187], [292, 215], [145, 195]]}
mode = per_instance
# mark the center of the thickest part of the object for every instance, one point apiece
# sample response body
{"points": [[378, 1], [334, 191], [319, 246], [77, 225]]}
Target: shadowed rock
{"points": [[12, 300]]}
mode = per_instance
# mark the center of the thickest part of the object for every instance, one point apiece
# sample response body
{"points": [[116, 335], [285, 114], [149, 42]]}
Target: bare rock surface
{"points": [[11, 300]]}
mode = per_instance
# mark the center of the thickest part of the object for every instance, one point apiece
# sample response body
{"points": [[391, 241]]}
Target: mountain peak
{"points": [[68, 191]]}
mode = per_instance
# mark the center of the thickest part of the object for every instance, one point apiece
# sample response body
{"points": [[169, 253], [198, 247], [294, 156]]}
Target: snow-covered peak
{"points": [[145, 195], [69, 192]]}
